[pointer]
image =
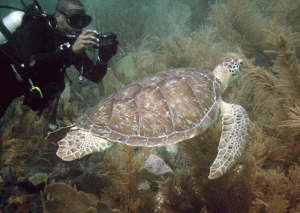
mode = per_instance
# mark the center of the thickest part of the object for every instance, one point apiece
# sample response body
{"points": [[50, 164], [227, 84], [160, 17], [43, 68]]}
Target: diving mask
{"points": [[77, 18]]}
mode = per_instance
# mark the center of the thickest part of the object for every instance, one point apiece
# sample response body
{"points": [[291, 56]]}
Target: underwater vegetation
{"points": [[264, 33], [123, 167]]}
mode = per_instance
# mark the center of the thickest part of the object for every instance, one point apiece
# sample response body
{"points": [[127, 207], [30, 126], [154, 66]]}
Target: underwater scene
{"points": [[156, 36]]}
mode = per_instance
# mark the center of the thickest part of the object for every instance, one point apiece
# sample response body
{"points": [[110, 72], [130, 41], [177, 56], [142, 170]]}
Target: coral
{"points": [[92, 183], [64, 198], [38, 178]]}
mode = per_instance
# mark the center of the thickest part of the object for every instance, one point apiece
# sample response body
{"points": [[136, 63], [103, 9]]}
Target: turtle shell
{"points": [[161, 109]]}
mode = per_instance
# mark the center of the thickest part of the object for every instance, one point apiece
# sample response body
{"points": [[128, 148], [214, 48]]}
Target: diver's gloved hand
{"points": [[107, 51], [85, 41]]}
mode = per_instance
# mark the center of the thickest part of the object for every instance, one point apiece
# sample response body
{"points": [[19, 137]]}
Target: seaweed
{"points": [[268, 89], [179, 195], [122, 166], [21, 145], [159, 52], [200, 10], [191, 191], [241, 24]]}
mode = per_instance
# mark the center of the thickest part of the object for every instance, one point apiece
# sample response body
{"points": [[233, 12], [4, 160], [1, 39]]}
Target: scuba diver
{"points": [[35, 58]]}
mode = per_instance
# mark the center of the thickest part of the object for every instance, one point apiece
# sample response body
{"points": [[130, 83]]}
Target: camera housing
{"points": [[106, 38]]}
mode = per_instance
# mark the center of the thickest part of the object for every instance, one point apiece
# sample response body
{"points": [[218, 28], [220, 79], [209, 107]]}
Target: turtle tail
{"points": [[79, 143], [236, 125]]}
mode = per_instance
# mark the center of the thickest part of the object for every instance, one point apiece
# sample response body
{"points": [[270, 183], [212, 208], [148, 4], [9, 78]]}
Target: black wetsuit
{"points": [[37, 46]]}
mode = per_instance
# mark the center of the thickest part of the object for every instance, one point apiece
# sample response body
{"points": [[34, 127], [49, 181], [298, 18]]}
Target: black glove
{"points": [[108, 47]]}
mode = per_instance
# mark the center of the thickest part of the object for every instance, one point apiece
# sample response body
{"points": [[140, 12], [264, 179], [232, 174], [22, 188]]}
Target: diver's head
{"points": [[71, 17]]}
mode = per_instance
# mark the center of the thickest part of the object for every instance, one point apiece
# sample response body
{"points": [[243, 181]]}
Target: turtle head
{"points": [[228, 71]]}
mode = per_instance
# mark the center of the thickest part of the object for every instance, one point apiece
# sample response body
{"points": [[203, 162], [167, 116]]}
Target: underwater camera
{"points": [[106, 39]]}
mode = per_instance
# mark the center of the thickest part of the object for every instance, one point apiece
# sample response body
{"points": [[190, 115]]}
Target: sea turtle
{"points": [[162, 109]]}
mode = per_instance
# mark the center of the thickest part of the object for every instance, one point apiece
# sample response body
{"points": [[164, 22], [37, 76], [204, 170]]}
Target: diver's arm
{"points": [[93, 72], [48, 59], [33, 49], [85, 41]]}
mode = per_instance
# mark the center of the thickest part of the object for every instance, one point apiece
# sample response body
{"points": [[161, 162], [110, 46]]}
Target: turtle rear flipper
{"points": [[236, 125], [58, 134], [79, 143]]}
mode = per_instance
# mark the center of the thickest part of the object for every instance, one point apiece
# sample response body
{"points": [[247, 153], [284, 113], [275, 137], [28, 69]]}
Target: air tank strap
{"points": [[4, 30]]}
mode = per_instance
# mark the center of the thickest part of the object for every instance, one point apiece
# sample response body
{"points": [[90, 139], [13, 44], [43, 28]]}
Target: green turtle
{"points": [[162, 109]]}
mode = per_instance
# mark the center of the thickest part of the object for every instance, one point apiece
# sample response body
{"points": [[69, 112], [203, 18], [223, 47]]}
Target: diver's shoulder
{"points": [[35, 28], [36, 24]]}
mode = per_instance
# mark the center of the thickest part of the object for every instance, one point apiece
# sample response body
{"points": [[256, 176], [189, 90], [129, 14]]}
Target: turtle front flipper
{"points": [[236, 125], [79, 143]]}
